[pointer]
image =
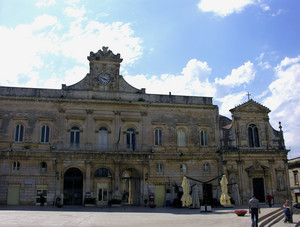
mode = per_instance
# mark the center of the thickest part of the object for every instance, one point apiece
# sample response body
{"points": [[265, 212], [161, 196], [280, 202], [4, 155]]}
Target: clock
{"points": [[104, 78]]}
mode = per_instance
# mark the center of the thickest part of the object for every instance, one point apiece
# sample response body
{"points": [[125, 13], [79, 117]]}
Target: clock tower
{"points": [[105, 69], [104, 75]]}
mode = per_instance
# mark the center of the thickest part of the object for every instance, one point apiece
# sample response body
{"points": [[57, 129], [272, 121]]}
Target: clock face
{"points": [[104, 78]]}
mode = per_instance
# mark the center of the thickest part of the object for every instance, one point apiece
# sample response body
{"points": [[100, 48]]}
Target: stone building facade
{"points": [[294, 171], [103, 138]]}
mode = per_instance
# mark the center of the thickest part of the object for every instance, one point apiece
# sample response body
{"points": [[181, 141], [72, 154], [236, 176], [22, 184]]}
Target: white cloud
{"points": [[230, 101], [45, 3], [223, 8], [285, 100], [75, 11], [27, 48], [75, 75], [117, 36], [192, 81], [242, 75], [21, 49]]}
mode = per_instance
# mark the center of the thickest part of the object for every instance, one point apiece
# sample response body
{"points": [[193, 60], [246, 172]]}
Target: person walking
{"points": [[287, 212], [269, 199], [254, 209]]}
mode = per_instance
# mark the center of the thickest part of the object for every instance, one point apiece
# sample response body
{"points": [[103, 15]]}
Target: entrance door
{"points": [[73, 184], [207, 194], [160, 195], [13, 195], [258, 189], [102, 194]]}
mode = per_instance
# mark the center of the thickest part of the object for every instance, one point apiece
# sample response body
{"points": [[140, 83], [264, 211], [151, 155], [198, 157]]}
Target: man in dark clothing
{"points": [[254, 210]]}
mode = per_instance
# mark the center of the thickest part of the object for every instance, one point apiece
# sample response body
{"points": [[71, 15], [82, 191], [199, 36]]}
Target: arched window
{"points": [[102, 172], [130, 138], [158, 137], [204, 138], [253, 136], [74, 136], [45, 134], [19, 133], [103, 137], [183, 168], [181, 138]]}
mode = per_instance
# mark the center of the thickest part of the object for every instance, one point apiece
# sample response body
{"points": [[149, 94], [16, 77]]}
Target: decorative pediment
{"points": [[257, 170], [104, 54], [250, 106]]}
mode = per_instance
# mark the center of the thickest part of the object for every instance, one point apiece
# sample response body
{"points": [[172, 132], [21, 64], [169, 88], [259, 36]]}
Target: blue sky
{"points": [[217, 48]]}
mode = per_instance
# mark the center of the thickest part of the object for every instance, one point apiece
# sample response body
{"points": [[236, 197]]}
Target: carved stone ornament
{"points": [[104, 54]]}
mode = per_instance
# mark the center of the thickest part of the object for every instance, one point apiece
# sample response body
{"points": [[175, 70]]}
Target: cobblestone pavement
{"points": [[125, 216]]}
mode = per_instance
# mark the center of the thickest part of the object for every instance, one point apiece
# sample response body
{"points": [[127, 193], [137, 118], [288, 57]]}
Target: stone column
{"points": [[89, 129], [88, 177], [272, 176], [117, 181]]}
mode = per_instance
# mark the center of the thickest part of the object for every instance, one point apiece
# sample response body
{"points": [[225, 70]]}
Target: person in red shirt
{"points": [[269, 199]]}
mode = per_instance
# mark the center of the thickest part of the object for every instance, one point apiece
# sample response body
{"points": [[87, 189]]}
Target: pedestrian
{"points": [[287, 212], [269, 199], [254, 209]]}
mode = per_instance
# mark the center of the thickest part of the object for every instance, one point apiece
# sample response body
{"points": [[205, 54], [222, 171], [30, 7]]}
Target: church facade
{"points": [[103, 139]]}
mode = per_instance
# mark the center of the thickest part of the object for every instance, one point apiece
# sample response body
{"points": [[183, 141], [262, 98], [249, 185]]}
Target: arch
{"points": [[131, 186], [73, 186], [102, 172]]}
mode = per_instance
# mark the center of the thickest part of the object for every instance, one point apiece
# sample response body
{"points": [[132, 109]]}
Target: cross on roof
{"points": [[248, 94]]}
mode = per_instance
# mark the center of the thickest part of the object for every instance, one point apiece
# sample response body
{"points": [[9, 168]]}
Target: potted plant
{"points": [[240, 212]]}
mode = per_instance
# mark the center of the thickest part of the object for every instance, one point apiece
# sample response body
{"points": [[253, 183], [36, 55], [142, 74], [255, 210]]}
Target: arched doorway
{"points": [[73, 187], [131, 187]]}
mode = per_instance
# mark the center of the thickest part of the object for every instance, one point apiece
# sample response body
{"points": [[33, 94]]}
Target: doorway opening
{"points": [[131, 187], [73, 187], [259, 189]]}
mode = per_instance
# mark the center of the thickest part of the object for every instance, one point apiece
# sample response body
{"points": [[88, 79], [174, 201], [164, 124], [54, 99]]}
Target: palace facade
{"points": [[104, 139]]}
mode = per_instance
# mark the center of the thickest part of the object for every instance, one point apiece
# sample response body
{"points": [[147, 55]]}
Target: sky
{"points": [[215, 48]]}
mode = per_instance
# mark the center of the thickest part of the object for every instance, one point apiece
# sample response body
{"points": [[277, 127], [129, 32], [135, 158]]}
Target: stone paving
{"points": [[125, 216]]}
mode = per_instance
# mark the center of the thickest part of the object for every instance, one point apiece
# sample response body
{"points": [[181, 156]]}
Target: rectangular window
{"points": [[16, 166], [43, 166], [159, 168], [74, 136], [181, 138], [45, 134], [204, 138], [19, 133], [158, 137], [296, 177]]}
